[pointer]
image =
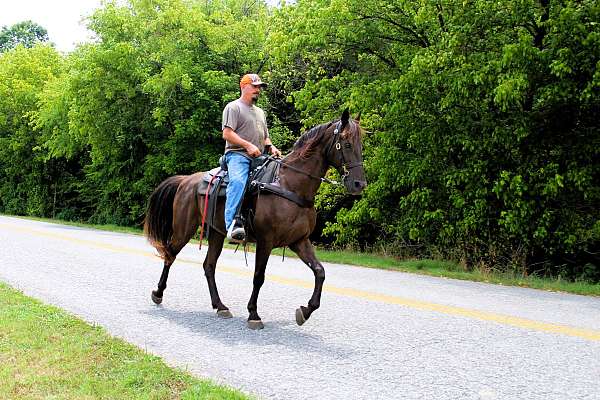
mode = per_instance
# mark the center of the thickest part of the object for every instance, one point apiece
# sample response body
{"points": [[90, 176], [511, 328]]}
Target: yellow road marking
{"points": [[588, 334]]}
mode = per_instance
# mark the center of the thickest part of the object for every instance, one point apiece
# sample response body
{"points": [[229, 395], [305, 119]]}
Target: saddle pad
{"points": [[214, 172], [207, 177]]}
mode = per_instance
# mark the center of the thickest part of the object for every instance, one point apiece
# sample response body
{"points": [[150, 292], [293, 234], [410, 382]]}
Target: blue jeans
{"points": [[238, 166]]}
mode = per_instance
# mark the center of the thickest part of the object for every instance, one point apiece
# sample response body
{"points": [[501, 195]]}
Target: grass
{"points": [[46, 353], [448, 269], [439, 268]]}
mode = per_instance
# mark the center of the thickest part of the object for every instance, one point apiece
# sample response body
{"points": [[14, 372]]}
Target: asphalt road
{"points": [[377, 335]]}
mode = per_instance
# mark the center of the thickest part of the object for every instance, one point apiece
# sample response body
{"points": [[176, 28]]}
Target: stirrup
{"points": [[236, 233]]}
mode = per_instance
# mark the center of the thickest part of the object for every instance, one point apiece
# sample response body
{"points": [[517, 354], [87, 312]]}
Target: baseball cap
{"points": [[252, 79]]}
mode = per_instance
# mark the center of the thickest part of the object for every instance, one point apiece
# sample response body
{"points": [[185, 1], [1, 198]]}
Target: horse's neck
{"points": [[301, 183]]}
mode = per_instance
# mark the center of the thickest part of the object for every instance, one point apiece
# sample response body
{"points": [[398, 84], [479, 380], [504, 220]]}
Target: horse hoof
{"points": [[300, 317], [255, 324], [155, 298], [225, 314]]}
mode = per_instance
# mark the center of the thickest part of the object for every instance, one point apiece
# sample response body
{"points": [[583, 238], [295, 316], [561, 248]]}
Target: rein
{"points": [[280, 162], [334, 143]]}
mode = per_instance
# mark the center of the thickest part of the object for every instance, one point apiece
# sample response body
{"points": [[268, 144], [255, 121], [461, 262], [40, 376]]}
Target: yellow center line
{"points": [[588, 334]]}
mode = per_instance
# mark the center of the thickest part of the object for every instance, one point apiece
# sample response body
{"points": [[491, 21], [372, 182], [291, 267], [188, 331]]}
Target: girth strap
{"points": [[279, 191]]}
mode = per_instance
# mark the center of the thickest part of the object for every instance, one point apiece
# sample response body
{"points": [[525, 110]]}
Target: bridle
{"points": [[335, 143], [338, 146]]}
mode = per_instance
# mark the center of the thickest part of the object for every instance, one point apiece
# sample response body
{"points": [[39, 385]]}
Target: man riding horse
{"points": [[284, 214], [246, 134]]}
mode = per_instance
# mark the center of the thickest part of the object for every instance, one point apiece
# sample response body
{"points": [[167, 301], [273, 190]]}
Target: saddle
{"points": [[262, 170], [264, 178], [214, 184]]}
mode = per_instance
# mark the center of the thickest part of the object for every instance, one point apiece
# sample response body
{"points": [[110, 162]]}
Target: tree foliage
{"points": [[26, 33], [26, 179], [486, 142], [482, 141], [145, 102]]}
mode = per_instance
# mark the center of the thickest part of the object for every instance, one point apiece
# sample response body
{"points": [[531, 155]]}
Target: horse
{"points": [[175, 210]]}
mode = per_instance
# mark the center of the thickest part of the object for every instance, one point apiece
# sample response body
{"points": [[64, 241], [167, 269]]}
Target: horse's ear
{"points": [[357, 119], [345, 116]]}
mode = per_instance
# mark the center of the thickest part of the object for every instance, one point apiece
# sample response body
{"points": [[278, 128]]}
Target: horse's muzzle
{"points": [[354, 186]]}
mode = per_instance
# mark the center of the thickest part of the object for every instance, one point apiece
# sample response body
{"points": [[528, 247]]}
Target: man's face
{"points": [[252, 91]]}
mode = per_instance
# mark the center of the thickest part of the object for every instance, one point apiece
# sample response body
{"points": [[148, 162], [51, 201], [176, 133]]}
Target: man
{"points": [[246, 134]]}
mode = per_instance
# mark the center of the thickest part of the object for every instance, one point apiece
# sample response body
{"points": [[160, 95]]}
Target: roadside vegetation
{"points": [[482, 142], [379, 260], [46, 353]]}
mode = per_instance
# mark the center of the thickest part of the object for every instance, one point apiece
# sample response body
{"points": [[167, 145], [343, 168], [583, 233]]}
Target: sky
{"points": [[61, 18]]}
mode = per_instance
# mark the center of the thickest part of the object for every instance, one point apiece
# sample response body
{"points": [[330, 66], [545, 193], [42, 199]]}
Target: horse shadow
{"points": [[234, 332]]}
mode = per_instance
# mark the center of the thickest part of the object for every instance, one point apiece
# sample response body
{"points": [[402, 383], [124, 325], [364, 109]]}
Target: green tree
{"points": [[145, 102], [485, 147], [26, 33], [25, 176], [484, 143]]}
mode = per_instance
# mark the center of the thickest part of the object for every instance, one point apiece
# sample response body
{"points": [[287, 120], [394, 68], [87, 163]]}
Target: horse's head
{"points": [[345, 153]]}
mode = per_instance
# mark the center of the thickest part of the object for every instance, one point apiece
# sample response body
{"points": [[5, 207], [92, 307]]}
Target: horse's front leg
{"points": [[306, 252], [263, 251], [215, 245]]}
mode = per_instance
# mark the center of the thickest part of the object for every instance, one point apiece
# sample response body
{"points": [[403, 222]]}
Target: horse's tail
{"points": [[158, 224]]}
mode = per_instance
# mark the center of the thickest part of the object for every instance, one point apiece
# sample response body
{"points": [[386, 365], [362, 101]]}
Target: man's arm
{"points": [[274, 150], [233, 138]]}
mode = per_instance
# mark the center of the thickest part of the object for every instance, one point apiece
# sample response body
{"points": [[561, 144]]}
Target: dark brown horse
{"points": [[175, 212]]}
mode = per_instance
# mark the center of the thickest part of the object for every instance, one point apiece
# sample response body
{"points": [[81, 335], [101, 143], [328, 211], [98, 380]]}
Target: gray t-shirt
{"points": [[248, 122]]}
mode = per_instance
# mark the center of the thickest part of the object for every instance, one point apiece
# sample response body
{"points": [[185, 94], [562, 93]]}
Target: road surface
{"points": [[378, 334]]}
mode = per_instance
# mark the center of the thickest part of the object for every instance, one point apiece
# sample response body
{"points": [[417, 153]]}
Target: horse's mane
{"points": [[305, 145]]}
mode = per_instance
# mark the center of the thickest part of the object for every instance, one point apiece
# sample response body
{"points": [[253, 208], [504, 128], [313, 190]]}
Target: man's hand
{"points": [[252, 150], [275, 152]]}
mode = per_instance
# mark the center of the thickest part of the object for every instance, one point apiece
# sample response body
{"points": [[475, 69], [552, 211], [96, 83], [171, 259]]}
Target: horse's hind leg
{"points": [[215, 245], [185, 223], [157, 295], [306, 252]]}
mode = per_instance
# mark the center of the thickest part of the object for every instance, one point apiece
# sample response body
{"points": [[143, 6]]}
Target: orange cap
{"points": [[252, 79]]}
